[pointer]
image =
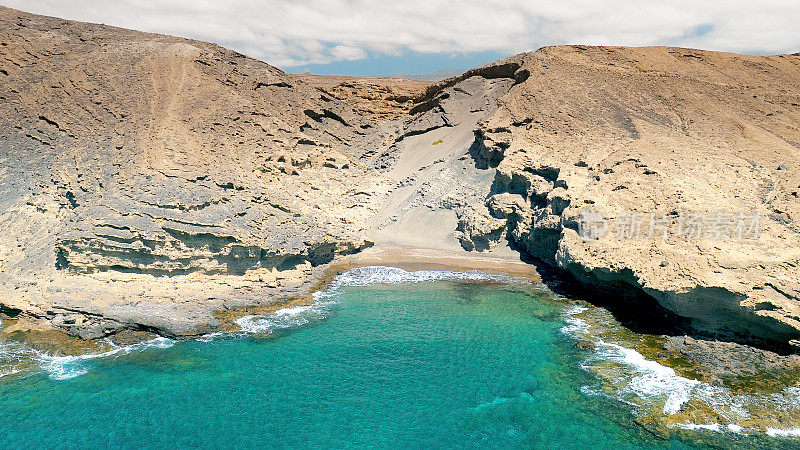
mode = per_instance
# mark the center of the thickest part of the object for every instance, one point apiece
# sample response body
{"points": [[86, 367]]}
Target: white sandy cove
{"points": [[363, 276]]}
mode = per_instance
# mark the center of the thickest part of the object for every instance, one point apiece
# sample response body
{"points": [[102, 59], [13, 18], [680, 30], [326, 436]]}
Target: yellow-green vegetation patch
{"points": [[653, 347], [57, 343], [766, 382], [693, 411], [437, 142]]}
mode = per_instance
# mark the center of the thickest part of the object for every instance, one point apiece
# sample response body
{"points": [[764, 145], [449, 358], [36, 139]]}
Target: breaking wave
{"points": [[284, 318], [17, 358], [67, 367], [574, 325], [641, 382], [323, 301], [364, 276], [651, 378]]}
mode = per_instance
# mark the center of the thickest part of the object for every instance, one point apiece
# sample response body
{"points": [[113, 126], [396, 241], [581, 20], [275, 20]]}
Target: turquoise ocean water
{"points": [[456, 361]]}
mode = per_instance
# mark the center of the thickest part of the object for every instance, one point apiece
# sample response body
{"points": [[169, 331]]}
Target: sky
{"points": [[370, 37]]}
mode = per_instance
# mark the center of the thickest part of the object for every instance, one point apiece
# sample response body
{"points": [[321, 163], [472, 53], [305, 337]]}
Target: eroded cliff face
{"points": [[140, 168], [631, 135]]}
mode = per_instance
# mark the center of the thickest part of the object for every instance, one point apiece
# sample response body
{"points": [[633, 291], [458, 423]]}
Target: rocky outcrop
{"points": [[376, 98], [134, 165], [644, 141]]}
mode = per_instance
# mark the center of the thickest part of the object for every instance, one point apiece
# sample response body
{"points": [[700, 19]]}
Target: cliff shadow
{"points": [[640, 312]]}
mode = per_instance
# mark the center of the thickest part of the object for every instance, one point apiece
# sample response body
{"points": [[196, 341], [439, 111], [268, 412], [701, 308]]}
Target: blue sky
{"points": [[370, 37], [410, 63]]}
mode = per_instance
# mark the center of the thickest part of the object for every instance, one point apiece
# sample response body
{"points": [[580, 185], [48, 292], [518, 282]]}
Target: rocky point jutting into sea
{"points": [[149, 182]]}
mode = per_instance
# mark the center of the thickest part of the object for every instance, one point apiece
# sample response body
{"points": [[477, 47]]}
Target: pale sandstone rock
{"points": [[144, 177], [658, 130]]}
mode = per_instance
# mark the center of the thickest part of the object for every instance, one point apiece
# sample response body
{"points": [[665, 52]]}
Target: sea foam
{"points": [[323, 301], [575, 325], [284, 318], [784, 432], [648, 380], [364, 276], [71, 366], [652, 379]]}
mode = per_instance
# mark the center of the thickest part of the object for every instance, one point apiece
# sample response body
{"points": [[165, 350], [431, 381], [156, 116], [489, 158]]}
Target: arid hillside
{"points": [[692, 159], [145, 161]]}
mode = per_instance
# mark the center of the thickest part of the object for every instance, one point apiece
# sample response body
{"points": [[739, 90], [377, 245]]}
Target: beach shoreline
{"points": [[42, 334]]}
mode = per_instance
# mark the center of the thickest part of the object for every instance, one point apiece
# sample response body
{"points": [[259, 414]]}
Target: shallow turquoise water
{"points": [[436, 364]]}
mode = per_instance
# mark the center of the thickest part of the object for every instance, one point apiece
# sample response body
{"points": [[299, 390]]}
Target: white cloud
{"points": [[300, 32], [348, 53]]}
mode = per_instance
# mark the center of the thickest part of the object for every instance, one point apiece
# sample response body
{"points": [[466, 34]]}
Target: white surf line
{"points": [[783, 432], [295, 316], [284, 318], [71, 366], [574, 325], [365, 276], [695, 426], [653, 379], [716, 427], [649, 379]]}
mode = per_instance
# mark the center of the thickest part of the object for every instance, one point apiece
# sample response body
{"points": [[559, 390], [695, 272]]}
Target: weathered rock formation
{"points": [[653, 138], [377, 98], [134, 163]]}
